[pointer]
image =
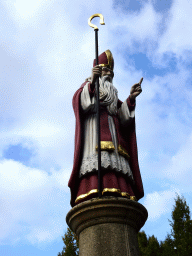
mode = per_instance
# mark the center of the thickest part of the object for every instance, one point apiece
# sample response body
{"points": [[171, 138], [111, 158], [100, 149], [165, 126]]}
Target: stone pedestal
{"points": [[107, 226]]}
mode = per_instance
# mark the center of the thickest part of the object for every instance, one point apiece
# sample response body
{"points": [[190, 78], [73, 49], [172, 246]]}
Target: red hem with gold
{"points": [[114, 184]]}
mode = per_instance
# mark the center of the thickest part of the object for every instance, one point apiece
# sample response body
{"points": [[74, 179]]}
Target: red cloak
{"points": [[129, 136]]}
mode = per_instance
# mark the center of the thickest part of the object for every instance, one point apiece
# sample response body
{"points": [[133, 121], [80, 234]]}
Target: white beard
{"points": [[108, 95]]}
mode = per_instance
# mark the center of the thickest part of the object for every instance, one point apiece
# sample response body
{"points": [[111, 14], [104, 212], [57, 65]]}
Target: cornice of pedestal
{"points": [[106, 210]]}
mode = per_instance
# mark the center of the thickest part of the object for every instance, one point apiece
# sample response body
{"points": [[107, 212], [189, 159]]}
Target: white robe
{"points": [[109, 160]]}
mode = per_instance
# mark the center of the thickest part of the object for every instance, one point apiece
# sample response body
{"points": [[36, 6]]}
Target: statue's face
{"points": [[107, 72]]}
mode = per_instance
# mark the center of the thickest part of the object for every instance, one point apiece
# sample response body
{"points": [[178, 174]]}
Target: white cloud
{"points": [[180, 166], [141, 27], [16, 178], [45, 234], [159, 203], [28, 12], [38, 129], [177, 37], [33, 203]]}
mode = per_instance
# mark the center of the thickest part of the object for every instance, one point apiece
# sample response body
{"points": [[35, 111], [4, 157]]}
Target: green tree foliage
{"points": [[153, 247], [143, 242], [148, 246], [181, 227], [179, 242], [71, 247], [167, 247]]}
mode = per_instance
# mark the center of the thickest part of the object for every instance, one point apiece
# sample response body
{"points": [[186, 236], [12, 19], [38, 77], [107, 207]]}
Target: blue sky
{"points": [[47, 50]]}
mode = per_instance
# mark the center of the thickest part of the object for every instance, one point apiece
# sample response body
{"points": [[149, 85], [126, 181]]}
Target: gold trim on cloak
{"points": [[113, 190], [93, 191], [105, 190], [109, 146], [106, 145], [123, 152]]}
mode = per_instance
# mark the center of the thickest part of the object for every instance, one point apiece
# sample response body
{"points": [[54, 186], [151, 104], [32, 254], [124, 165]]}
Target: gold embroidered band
{"points": [[105, 190], [106, 145], [123, 152], [125, 194], [114, 190], [93, 191], [133, 198]]}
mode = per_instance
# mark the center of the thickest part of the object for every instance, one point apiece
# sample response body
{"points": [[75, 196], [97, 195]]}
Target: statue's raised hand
{"points": [[135, 90]]}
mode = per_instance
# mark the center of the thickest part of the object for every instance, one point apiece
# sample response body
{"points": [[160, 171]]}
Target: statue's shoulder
{"points": [[119, 103], [88, 79], [76, 96]]}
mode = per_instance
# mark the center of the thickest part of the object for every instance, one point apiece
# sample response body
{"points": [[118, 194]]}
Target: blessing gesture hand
{"points": [[135, 90]]}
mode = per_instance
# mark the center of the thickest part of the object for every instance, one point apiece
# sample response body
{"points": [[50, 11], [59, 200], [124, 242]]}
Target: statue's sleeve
{"points": [[88, 101], [126, 112]]}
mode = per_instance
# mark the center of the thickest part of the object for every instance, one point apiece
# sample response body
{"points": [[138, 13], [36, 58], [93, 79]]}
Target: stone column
{"points": [[107, 226]]}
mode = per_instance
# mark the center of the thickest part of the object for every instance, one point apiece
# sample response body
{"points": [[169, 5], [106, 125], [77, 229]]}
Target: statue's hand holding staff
{"points": [[96, 72], [99, 71], [135, 90]]}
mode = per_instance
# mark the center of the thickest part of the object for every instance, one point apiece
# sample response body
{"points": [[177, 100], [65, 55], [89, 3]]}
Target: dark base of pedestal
{"points": [[107, 226]]}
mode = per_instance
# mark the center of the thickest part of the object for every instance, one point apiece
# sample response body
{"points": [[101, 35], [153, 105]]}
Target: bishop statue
{"points": [[119, 159]]}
